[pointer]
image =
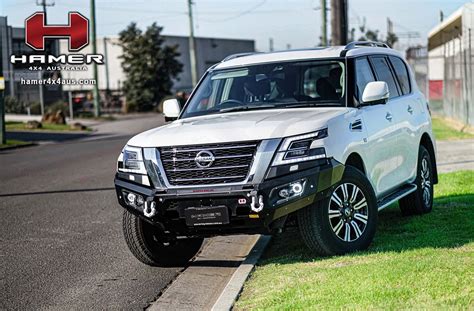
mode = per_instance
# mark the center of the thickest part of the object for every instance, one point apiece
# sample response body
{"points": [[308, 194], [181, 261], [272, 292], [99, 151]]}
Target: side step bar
{"points": [[406, 190]]}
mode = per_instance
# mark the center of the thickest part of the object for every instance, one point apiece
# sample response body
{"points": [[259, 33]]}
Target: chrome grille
{"points": [[232, 162]]}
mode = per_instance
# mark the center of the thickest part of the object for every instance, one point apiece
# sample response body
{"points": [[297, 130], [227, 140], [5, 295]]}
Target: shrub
{"points": [[13, 105], [58, 105]]}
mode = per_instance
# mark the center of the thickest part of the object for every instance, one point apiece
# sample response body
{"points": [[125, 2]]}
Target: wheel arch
{"points": [[355, 160], [428, 144]]}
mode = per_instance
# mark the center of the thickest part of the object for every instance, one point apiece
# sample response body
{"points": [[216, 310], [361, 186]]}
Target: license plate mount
{"points": [[207, 215]]}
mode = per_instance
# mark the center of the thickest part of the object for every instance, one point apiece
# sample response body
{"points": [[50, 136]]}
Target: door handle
{"points": [[410, 109], [388, 116]]}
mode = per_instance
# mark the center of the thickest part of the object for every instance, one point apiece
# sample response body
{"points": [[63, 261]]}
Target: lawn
{"points": [[418, 262], [20, 126], [443, 131], [11, 143]]}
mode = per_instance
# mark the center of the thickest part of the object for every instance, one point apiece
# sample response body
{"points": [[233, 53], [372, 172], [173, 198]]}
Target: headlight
{"points": [[299, 148], [131, 161]]}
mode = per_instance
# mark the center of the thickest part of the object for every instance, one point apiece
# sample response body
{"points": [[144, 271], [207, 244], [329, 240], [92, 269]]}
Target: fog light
{"points": [[291, 190], [297, 188], [284, 193], [131, 198]]}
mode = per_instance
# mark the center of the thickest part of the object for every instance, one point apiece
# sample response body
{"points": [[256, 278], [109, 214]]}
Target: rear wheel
{"points": [[420, 201], [146, 243], [345, 221]]}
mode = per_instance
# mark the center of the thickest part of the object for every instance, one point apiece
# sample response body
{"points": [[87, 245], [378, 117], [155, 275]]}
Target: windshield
{"points": [[275, 85]]}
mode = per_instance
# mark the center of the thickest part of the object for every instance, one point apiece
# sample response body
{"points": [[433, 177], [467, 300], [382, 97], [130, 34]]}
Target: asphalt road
{"points": [[60, 227], [61, 244]]}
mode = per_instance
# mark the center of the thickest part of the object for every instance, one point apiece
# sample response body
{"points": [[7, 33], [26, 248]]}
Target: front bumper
{"points": [[172, 203]]}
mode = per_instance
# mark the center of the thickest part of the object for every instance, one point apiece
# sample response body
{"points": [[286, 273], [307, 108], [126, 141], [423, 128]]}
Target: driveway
{"points": [[455, 155]]}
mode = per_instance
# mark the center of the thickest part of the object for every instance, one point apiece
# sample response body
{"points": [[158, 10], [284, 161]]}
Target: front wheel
{"points": [[345, 221], [146, 243]]}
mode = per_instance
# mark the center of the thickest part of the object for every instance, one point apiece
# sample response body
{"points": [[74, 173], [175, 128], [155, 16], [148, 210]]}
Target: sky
{"points": [[291, 23]]}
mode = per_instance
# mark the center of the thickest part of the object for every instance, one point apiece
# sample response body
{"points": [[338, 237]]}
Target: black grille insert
{"points": [[229, 163]]}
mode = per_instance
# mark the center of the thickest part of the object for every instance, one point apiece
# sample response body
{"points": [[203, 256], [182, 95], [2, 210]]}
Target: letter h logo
{"points": [[77, 31]]}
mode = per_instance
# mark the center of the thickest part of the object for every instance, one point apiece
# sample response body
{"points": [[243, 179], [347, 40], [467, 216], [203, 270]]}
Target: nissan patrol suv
{"points": [[322, 138]]}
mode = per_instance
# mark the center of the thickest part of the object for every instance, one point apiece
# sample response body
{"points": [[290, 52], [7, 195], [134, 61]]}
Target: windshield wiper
{"points": [[243, 108]]}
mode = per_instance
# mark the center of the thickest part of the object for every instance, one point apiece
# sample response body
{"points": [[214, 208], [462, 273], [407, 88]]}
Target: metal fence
{"points": [[458, 95], [451, 94]]}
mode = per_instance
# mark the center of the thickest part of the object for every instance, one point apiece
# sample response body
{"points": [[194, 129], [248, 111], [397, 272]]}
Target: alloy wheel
{"points": [[348, 212], [425, 181]]}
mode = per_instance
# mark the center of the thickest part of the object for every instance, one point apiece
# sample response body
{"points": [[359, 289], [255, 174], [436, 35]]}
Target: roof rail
{"points": [[237, 55], [356, 44]]}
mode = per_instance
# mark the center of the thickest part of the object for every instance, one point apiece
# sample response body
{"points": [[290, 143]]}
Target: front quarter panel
{"points": [[346, 134]]}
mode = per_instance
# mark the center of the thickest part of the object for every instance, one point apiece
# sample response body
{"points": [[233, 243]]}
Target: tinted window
{"points": [[383, 73], [401, 73], [364, 75], [324, 81], [274, 85]]}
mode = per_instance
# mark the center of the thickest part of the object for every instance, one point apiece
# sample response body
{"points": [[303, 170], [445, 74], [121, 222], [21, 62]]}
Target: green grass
{"points": [[20, 126], [12, 142], [443, 131], [418, 262]]}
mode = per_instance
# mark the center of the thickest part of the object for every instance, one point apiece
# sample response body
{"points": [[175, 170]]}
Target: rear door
{"points": [[408, 108], [379, 158]]}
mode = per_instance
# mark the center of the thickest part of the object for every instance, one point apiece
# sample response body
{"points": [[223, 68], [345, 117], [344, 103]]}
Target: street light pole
{"points": [[95, 92], [3, 139], [192, 48], [324, 23]]}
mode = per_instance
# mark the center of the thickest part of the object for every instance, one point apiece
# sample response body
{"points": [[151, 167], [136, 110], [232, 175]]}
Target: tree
{"points": [[391, 39], [149, 66]]}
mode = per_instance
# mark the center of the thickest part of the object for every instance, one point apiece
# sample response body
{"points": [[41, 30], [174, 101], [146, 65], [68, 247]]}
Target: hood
{"points": [[237, 126]]}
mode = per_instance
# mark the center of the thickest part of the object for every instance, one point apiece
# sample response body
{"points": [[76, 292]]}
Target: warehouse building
{"points": [[450, 63], [209, 51]]}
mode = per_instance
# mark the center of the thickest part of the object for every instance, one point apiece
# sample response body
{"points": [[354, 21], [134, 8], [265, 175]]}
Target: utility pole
{"points": [[44, 4], [389, 26], [324, 23], [95, 92], [41, 96], [192, 48], [270, 44], [339, 22], [107, 83], [71, 111], [3, 139]]}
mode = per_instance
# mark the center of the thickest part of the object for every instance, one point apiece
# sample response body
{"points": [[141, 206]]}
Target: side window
{"points": [[402, 74], [384, 73], [364, 75]]}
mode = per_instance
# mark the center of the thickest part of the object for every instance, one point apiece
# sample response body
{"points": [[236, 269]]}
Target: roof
{"points": [[445, 31], [305, 54]]}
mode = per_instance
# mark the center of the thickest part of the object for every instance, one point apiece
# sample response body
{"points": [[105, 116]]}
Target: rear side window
{"points": [[364, 75], [384, 73], [402, 74]]}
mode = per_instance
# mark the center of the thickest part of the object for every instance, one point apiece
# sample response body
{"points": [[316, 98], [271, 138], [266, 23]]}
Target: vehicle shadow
{"points": [[449, 225], [16, 194], [45, 136]]}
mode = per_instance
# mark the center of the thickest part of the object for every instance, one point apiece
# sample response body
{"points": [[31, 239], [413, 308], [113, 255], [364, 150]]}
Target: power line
{"points": [[239, 14]]}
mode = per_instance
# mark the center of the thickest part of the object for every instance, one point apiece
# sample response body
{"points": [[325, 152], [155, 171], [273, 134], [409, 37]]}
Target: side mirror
{"points": [[171, 109], [375, 92]]}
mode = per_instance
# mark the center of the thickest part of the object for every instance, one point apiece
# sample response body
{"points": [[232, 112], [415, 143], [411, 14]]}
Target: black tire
{"points": [[319, 223], [142, 240], [420, 201]]}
